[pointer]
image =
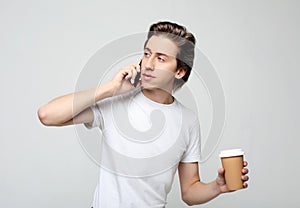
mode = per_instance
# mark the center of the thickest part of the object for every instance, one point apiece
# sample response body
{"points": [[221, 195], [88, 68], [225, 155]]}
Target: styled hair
{"points": [[185, 42]]}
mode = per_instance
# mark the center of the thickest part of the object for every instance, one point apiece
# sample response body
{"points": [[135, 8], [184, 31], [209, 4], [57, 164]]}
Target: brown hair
{"points": [[185, 42]]}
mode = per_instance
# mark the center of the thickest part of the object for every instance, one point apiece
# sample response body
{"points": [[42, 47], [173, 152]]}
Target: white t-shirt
{"points": [[142, 144]]}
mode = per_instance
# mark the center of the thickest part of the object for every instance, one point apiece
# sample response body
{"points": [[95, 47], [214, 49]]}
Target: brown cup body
{"points": [[233, 171]]}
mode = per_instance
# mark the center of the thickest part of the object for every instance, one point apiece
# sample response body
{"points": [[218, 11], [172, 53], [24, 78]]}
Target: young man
{"points": [[173, 145]]}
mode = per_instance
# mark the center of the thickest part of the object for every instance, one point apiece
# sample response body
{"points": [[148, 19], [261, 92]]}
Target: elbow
{"points": [[43, 116], [188, 203], [187, 200]]}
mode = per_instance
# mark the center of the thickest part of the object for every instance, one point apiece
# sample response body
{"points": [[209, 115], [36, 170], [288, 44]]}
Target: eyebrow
{"points": [[163, 54]]}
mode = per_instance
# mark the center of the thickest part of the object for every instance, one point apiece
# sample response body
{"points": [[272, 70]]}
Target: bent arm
{"points": [[194, 191], [74, 107]]}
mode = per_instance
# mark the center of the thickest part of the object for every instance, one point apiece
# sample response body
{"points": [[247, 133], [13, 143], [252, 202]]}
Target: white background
{"points": [[254, 46]]}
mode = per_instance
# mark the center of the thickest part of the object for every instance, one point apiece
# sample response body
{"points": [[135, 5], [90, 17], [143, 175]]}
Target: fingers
{"points": [[245, 171], [129, 73], [138, 83], [245, 178], [132, 71]]}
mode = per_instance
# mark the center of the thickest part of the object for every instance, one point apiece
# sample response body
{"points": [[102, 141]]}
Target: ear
{"points": [[180, 73]]}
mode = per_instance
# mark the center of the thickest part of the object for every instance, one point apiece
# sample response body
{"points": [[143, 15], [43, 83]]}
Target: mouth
{"points": [[148, 76]]}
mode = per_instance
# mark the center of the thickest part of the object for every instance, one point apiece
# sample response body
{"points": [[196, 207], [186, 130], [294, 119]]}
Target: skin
{"points": [[158, 72], [159, 69]]}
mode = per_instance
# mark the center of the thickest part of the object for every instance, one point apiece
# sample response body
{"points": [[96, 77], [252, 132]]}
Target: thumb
{"points": [[221, 172], [138, 84], [221, 178]]}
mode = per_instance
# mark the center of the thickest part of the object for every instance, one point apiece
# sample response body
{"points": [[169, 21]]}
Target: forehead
{"points": [[161, 44]]}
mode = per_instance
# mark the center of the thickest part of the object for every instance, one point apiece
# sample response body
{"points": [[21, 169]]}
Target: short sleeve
{"points": [[98, 118], [193, 150]]}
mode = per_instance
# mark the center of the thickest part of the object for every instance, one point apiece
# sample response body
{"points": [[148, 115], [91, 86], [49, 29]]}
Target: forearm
{"points": [[62, 109], [200, 193]]}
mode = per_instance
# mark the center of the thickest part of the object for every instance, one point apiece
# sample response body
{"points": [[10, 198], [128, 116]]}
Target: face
{"points": [[159, 64]]}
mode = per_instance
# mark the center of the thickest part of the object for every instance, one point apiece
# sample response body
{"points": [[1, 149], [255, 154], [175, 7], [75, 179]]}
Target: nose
{"points": [[149, 63]]}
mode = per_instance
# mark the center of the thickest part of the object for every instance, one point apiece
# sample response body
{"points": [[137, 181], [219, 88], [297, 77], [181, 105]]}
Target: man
{"points": [[174, 141]]}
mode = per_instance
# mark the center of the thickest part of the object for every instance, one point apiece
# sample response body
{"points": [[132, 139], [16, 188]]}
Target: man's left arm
{"points": [[194, 191]]}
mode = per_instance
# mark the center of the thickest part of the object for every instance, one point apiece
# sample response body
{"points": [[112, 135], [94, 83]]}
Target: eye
{"points": [[161, 59], [147, 54]]}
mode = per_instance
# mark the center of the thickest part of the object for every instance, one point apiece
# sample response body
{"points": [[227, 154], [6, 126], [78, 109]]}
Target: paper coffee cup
{"points": [[232, 162]]}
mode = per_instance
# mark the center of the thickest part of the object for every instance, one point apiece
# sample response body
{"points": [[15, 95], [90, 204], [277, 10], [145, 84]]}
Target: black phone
{"points": [[138, 76]]}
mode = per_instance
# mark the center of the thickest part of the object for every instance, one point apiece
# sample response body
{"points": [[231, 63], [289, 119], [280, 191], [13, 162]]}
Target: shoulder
{"points": [[188, 115], [118, 99]]}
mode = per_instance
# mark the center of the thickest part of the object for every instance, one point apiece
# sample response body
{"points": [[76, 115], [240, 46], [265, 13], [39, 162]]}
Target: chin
{"points": [[153, 87], [148, 85]]}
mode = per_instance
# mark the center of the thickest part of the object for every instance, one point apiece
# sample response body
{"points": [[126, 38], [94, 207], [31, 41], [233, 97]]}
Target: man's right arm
{"points": [[75, 108]]}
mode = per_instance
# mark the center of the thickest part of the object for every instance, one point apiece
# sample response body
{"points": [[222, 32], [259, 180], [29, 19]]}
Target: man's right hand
{"points": [[123, 81], [66, 110]]}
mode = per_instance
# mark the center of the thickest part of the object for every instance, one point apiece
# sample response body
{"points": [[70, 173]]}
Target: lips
{"points": [[148, 76]]}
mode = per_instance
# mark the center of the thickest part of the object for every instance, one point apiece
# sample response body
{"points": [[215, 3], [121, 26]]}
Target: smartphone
{"points": [[138, 76]]}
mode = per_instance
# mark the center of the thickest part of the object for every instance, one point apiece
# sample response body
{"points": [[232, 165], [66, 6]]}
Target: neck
{"points": [[158, 95]]}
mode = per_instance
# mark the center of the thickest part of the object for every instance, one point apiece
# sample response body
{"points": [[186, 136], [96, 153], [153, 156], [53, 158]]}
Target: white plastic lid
{"points": [[231, 153]]}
